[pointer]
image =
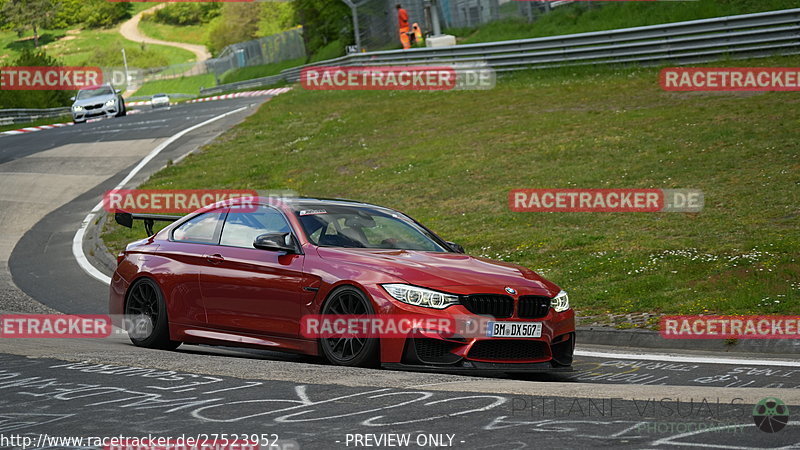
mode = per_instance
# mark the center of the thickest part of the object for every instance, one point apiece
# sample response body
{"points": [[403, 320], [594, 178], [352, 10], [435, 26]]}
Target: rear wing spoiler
{"points": [[126, 220]]}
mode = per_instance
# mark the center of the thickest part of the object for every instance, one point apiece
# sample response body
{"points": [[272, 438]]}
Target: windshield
{"points": [[89, 93], [359, 227]]}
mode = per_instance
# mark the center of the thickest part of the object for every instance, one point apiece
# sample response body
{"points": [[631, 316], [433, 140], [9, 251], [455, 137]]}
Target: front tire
{"points": [[122, 111], [146, 310], [349, 351]]}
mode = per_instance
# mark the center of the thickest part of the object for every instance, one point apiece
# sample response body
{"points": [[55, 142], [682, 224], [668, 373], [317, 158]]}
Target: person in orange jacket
{"points": [[402, 19]]}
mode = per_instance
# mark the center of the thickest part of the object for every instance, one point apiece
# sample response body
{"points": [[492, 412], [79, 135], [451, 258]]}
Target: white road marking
{"points": [[688, 359], [77, 240], [83, 262]]}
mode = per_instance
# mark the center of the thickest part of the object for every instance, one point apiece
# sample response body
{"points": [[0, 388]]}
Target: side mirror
{"points": [[72, 98], [276, 242], [117, 91], [455, 247]]}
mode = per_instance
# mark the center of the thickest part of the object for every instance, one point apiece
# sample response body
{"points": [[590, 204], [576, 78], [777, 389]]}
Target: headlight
{"points": [[560, 302], [77, 108], [111, 102], [418, 296]]}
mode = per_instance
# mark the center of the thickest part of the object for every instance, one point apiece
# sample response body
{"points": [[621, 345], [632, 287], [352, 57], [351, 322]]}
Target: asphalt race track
{"points": [[53, 388]]}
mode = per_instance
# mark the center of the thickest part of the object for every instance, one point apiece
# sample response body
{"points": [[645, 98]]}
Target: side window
{"points": [[203, 229], [242, 227]]}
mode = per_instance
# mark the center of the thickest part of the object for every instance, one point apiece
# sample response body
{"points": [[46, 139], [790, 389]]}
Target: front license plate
{"points": [[514, 329]]}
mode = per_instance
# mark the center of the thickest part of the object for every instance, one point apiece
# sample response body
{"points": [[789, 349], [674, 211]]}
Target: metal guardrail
{"points": [[11, 116], [692, 42], [247, 84], [698, 41]]}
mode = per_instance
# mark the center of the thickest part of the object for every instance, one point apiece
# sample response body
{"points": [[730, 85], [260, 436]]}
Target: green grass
{"points": [[450, 158], [579, 18], [190, 34], [183, 85], [11, 44], [104, 48], [265, 70], [51, 120], [93, 47]]}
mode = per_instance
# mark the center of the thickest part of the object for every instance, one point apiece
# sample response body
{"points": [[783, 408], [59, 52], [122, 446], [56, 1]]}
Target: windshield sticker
{"points": [[309, 212]]}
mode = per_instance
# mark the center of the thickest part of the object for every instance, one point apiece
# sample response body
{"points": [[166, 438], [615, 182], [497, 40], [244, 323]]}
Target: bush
{"points": [[102, 13], [324, 22], [91, 13], [34, 99], [238, 23], [185, 13], [276, 17], [333, 49], [70, 12]]}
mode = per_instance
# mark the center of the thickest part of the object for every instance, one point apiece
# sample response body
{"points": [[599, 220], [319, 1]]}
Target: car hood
{"points": [[94, 100], [445, 270]]}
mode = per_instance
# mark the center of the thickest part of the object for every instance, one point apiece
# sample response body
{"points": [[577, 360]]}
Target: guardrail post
{"points": [[356, 32]]}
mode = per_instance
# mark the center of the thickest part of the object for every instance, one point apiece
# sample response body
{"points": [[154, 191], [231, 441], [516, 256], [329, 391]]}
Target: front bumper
{"points": [[95, 111], [490, 354], [443, 351]]}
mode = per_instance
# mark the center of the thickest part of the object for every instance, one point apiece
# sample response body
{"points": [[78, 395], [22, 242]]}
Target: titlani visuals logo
{"points": [[770, 415]]}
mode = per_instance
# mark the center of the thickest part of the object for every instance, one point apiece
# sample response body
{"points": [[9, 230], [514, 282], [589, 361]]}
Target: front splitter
{"points": [[479, 367]]}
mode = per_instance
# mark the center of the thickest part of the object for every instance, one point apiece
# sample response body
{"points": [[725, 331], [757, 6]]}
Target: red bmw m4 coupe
{"points": [[252, 273]]}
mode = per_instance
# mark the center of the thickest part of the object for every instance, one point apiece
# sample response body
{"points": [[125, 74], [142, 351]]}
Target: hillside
{"points": [[450, 158]]}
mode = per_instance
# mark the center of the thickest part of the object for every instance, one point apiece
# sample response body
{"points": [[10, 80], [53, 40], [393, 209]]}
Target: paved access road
{"points": [[50, 389]]}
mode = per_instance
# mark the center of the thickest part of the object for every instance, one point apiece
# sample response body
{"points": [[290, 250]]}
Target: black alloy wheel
{"points": [[345, 350], [146, 316]]}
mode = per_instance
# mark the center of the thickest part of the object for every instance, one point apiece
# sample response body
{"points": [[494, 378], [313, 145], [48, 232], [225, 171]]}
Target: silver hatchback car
{"points": [[94, 101]]}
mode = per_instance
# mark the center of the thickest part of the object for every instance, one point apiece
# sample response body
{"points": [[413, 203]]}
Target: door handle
{"points": [[216, 258]]}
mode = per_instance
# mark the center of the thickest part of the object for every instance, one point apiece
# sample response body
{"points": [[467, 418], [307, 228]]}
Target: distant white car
{"points": [[159, 100]]}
